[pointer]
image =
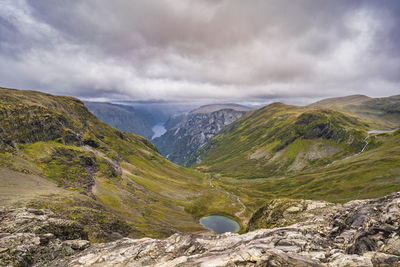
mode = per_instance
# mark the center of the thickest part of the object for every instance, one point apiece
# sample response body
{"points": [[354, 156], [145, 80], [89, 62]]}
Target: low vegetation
{"points": [[117, 183], [311, 152], [278, 140]]}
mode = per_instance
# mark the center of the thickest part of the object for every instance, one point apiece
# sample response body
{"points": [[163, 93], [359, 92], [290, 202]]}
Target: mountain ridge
{"points": [[215, 107]]}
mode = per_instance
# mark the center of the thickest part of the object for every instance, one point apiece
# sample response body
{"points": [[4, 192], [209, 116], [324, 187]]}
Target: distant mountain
{"points": [[155, 112], [207, 109], [186, 132], [380, 112], [175, 119], [123, 117]]}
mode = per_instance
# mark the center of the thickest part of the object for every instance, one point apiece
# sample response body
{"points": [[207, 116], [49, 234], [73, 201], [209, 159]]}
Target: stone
{"points": [[77, 244], [35, 237], [357, 233], [382, 259]]}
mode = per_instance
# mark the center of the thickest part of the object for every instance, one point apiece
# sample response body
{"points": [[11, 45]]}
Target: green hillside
{"points": [[378, 112], [373, 173], [55, 154], [279, 140], [114, 183], [311, 152]]}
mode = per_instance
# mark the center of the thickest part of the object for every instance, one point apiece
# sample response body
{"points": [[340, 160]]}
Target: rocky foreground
{"points": [[359, 233]]}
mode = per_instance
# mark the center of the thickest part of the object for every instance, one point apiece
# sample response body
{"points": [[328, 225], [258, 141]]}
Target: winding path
{"points": [[230, 195]]}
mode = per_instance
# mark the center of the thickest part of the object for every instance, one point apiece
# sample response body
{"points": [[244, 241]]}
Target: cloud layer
{"points": [[201, 50]]}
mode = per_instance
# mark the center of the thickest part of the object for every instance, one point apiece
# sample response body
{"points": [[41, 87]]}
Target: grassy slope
{"points": [[371, 174], [116, 181], [278, 140], [378, 112], [252, 163]]}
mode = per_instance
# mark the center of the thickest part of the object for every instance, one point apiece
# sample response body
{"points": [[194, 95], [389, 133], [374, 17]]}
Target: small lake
{"points": [[220, 224], [158, 130]]}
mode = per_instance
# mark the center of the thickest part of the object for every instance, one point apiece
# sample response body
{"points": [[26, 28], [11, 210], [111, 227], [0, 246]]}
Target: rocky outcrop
{"points": [[283, 212], [358, 233], [182, 139], [37, 237]]}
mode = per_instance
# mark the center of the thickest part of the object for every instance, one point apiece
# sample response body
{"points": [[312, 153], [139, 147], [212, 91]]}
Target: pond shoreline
{"points": [[220, 224]]}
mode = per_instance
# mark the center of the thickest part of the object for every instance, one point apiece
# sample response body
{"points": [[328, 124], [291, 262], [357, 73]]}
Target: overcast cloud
{"points": [[208, 50]]}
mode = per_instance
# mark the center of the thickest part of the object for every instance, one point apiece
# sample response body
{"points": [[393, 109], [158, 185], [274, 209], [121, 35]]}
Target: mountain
{"points": [[280, 139], [187, 132], [359, 233], [55, 154], [208, 109], [122, 117], [69, 181], [317, 152], [379, 112]]}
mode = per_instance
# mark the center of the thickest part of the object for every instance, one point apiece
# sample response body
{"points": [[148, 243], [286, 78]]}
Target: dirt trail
{"points": [[230, 195]]}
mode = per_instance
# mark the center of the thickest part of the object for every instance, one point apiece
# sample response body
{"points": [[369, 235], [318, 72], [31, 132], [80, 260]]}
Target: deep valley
{"points": [[276, 166]]}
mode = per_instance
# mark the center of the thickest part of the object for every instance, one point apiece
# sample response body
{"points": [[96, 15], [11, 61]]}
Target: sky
{"points": [[205, 51]]}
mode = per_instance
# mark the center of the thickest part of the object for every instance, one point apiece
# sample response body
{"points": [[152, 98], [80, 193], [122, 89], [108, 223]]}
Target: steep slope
{"points": [[114, 183], [280, 139], [187, 133], [122, 117]]}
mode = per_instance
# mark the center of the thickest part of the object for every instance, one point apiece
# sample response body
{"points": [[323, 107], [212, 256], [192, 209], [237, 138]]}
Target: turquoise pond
{"points": [[220, 224]]}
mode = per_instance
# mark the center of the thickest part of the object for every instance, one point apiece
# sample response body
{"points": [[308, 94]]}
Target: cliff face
{"points": [[358, 233], [183, 138]]}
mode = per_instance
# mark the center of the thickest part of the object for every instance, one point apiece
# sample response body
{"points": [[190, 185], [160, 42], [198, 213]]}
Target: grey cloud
{"points": [[177, 50]]}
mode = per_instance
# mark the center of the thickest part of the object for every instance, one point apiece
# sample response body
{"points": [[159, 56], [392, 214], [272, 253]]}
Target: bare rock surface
{"points": [[284, 212], [37, 237], [358, 233]]}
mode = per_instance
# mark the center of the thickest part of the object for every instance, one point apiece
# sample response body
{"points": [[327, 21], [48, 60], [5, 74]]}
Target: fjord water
{"points": [[220, 224], [158, 130]]}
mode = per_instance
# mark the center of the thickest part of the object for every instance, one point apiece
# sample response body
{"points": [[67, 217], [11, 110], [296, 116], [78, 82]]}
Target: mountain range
{"points": [[186, 132], [70, 181]]}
